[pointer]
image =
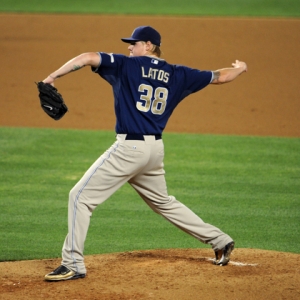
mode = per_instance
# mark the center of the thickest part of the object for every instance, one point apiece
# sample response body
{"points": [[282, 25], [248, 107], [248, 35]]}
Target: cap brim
{"points": [[129, 40]]}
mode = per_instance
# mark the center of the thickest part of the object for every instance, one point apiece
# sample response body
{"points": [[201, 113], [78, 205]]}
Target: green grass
{"points": [[247, 186], [270, 8]]}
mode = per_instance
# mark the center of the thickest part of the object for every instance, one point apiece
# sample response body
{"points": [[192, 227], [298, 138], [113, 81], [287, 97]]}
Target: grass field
{"points": [[248, 186], [269, 8]]}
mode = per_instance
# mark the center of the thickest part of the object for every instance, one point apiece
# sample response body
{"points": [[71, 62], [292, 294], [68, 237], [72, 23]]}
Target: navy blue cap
{"points": [[145, 34]]}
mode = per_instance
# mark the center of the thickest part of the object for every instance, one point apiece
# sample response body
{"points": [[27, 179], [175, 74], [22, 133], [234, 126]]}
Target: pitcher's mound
{"points": [[176, 274]]}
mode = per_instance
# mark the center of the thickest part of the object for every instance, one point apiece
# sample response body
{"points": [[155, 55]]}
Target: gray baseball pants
{"points": [[140, 163]]}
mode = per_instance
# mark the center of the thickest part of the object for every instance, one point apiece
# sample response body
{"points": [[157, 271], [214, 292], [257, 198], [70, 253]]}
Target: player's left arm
{"points": [[229, 74], [85, 59]]}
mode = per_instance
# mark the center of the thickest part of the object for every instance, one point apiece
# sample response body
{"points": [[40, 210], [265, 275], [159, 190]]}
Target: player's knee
{"points": [[73, 194], [166, 202]]}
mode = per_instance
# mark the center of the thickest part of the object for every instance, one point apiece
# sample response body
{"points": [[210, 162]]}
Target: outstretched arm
{"points": [[76, 63], [229, 74]]}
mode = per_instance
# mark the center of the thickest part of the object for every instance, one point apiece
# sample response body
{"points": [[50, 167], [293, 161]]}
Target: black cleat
{"points": [[63, 273], [223, 255]]}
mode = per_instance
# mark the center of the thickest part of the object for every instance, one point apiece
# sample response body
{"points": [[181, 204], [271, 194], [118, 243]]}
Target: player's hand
{"points": [[49, 80], [240, 64]]}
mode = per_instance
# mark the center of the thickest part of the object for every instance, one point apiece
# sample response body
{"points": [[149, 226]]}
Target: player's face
{"points": [[137, 49]]}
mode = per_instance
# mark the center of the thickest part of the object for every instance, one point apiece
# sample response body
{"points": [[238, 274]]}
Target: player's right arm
{"points": [[228, 74], [85, 59]]}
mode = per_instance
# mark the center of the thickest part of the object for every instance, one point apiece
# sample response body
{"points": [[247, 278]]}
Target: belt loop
{"points": [[149, 139], [121, 137]]}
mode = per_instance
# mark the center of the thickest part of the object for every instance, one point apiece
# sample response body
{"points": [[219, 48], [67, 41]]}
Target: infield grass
{"points": [[247, 186]]}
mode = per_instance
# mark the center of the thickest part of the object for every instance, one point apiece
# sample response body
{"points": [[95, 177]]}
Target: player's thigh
{"points": [[152, 188], [107, 174]]}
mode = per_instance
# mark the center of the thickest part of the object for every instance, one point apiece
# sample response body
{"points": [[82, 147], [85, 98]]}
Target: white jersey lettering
{"points": [[156, 74]]}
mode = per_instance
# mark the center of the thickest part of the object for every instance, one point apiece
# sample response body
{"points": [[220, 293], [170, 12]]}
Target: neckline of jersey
{"points": [[155, 57]]}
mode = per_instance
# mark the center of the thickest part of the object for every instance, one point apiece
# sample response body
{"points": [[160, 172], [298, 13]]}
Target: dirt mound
{"points": [[161, 274]]}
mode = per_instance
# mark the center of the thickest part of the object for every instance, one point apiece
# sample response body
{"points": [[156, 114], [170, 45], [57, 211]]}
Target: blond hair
{"points": [[155, 50]]}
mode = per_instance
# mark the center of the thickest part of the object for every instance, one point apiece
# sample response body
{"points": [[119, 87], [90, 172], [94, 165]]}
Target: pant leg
{"points": [[151, 186], [121, 161]]}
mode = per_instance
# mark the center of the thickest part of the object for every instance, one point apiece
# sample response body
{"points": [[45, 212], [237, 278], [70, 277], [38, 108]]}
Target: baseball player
{"points": [[146, 91]]}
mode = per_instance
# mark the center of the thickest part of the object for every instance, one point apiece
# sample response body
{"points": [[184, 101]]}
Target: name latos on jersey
{"points": [[156, 74]]}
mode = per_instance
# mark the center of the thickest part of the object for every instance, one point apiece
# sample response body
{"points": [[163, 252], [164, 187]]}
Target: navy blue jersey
{"points": [[147, 90]]}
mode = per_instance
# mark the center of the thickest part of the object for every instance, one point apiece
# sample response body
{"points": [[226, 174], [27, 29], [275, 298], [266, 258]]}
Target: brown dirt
{"points": [[181, 274], [265, 101]]}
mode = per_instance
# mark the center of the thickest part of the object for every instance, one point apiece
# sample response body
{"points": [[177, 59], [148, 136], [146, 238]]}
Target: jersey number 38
{"points": [[159, 102]]}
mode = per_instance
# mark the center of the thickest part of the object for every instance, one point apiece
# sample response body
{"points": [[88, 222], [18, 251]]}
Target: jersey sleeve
{"points": [[196, 80], [110, 66], [193, 80]]}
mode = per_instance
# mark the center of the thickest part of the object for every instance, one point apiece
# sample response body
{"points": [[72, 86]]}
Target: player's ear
{"points": [[148, 46]]}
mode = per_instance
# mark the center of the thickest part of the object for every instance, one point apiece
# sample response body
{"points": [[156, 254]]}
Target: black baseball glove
{"points": [[52, 102]]}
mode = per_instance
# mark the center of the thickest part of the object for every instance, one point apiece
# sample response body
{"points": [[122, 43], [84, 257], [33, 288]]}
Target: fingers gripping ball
{"points": [[52, 102]]}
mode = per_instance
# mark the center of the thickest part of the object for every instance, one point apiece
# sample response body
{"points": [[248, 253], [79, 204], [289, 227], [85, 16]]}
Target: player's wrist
{"points": [[52, 77]]}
